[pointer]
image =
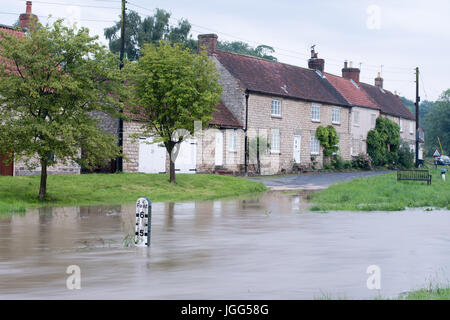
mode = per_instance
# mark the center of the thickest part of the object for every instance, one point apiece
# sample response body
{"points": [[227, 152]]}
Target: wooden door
{"points": [[6, 170]]}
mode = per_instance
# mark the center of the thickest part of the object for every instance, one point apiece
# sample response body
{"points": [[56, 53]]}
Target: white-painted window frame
{"points": [[276, 106], [336, 115], [315, 113]]}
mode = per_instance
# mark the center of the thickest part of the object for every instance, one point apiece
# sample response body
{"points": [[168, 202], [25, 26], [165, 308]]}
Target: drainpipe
{"points": [[245, 132]]}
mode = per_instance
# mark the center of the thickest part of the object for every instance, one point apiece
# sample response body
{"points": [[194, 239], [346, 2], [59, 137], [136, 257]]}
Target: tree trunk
{"points": [[172, 171], [43, 186]]}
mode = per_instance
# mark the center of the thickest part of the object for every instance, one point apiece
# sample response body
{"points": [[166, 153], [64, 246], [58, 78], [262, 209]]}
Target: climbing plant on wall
{"points": [[328, 139]]}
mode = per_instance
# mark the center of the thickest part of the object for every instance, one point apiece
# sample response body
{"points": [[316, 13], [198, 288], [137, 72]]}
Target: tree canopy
{"points": [[437, 124], [173, 88], [383, 142], [151, 29], [52, 78], [328, 139], [261, 51], [155, 28]]}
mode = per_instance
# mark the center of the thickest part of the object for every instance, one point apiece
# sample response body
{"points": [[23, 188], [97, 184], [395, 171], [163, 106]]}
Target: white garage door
{"points": [[187, 157], [152, 157]]}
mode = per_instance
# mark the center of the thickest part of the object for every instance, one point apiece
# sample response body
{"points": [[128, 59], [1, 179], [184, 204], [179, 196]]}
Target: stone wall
{"points": [[131, 146], [295, 120], [20, 168]]}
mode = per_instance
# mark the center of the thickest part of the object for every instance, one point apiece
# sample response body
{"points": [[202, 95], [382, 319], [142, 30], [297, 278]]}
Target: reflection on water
{"points": [[268, 247]]}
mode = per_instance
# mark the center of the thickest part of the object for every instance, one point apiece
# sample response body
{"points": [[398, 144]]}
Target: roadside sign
{"points": [[143, 222], [436, 153]]}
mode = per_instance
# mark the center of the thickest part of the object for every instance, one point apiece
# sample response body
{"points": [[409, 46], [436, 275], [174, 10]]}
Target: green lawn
{"points": [[19, 193], [428, 294], [385, 193]]}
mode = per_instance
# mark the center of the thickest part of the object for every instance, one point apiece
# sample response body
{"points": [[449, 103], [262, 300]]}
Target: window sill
{"points": [[336, 123], [275, 116], [315, 154], [275, 152], [317, 121]]}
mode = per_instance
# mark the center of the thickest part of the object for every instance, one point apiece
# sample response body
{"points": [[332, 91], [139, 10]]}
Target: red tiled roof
{"points": [[274, 78], [390, 103], [355, 96], [224, 118]]}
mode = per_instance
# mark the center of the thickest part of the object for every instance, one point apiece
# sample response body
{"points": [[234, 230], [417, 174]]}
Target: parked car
{"points": [[444, 160]]}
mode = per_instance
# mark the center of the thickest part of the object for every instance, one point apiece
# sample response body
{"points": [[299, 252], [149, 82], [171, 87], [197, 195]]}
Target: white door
{"points": [[152, 157], [219, 149], [297, 145], [187, 157]]}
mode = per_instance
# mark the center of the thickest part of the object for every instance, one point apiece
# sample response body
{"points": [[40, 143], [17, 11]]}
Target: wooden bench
{"points": [[414, 175]]}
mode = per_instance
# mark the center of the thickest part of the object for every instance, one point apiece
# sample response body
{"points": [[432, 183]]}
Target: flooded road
{"points": [[260, 248]]}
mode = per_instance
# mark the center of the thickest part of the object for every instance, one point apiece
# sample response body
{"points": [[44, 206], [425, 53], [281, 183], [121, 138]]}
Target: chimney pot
{"points": [[29, 4], [207, 42]]}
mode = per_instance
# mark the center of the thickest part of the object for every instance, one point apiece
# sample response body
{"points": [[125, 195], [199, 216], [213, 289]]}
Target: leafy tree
{"points": [[383, 142], [405, 155], [51, 79], [437, 124], [424, 107], [328, 139], [173, 88], [261, 51], [151, 29]]}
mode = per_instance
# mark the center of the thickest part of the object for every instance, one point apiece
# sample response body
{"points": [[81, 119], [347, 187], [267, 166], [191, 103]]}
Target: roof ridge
{"points": [[263, 59]]}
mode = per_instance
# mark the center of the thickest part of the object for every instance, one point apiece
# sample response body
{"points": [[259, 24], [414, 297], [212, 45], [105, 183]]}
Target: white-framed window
{"points": [[411, 127], [373, 120], [276, 108], [315, 113], [315, 145], [401, 125], [356, 117], [232, 145], [336, 116], [275, 141]]}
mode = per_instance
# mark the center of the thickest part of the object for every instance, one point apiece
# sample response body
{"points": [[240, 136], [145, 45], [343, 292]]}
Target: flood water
{"points": [[268, 247]]}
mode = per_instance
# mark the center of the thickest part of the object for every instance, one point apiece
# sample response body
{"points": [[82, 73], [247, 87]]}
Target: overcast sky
{"points": [[399, 35]]}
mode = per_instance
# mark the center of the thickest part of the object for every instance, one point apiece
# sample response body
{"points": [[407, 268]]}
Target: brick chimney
{"points": [[24, 18], [207, 42], [316, 63], [348, 72], [379, 81]]}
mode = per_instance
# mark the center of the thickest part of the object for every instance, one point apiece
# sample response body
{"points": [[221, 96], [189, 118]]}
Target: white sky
{"points": [[399, 35]]}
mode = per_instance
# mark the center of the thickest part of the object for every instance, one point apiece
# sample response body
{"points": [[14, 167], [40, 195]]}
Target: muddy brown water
{"points": [[266, 247]]}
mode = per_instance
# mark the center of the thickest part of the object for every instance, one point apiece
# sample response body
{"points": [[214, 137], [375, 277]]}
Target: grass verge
{"points": [[19, 193], [384, 193]]}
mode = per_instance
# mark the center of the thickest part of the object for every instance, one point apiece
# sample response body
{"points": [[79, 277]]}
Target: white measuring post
{"points": [[143, 222]]}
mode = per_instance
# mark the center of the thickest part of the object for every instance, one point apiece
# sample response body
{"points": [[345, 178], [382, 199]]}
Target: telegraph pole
{"points": [[417, 116], [119, 160]]}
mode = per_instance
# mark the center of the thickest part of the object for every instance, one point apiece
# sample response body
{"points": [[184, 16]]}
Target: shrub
{"points": [[405, 156], [362, 161], [338, 162]]}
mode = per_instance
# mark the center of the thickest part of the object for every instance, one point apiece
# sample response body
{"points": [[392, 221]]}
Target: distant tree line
{"points": [[434, 118], [153, 29]]}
